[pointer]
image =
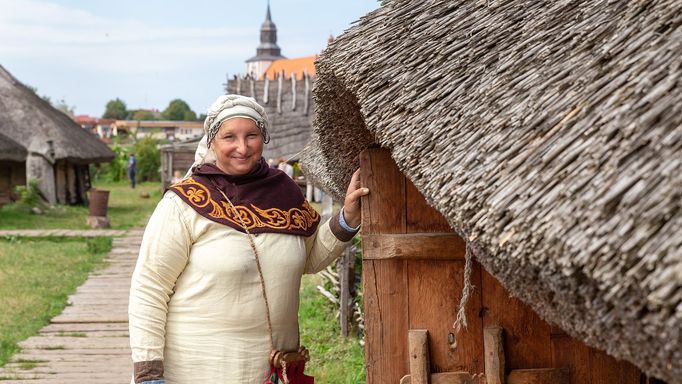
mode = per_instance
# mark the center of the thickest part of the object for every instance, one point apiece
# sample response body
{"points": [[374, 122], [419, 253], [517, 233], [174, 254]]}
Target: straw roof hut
{"points": [[549, 135], [59, 150]]}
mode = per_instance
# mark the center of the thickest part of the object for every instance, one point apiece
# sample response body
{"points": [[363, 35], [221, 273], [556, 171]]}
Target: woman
{"points": [[216, 285]]}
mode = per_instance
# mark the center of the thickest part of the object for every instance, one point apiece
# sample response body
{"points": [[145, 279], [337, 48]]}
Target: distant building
{"points": [[267, 52], [160, 129], [40, 142]]}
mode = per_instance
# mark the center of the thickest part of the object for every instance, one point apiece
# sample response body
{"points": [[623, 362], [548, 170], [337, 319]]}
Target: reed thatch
{"points": [[549, 134], [10, 150], [31, 122]]}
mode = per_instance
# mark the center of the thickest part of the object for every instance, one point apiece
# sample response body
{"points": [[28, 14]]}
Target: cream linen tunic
{"points": [[196, 300]]}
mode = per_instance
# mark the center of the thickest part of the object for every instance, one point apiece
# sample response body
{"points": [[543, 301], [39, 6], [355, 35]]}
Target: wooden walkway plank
{"points": [[88, 341]]}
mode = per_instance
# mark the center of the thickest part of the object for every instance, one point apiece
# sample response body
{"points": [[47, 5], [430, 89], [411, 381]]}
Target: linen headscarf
{"points": [[228, 107]]}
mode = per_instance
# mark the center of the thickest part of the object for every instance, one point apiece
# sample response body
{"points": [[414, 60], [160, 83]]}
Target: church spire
{"points": [[267, 15], [268, 37], [268, 50]]}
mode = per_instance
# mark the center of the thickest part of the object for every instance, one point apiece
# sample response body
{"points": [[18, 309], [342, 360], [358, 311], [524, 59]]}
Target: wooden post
{"points": [[419, 356], [384, 281], [494, 355], [344, 286]]}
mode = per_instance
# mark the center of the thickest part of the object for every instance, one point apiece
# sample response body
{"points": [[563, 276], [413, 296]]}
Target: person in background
{"points": [[286, 167], [177, 177], [215, 293], [132, 169]]}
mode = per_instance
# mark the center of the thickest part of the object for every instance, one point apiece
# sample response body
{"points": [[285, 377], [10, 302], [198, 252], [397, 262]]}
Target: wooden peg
{"points": [[494, 355], [418, 341]]}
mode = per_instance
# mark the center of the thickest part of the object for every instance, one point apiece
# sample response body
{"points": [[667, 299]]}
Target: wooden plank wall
{"points": [[403, 293]]}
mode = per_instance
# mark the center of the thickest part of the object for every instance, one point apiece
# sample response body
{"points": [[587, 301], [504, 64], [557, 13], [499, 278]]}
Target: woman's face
{"points": [[238, 146]]}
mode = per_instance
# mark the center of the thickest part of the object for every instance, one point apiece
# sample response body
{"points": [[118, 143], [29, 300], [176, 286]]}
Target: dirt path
{"points": [[88, 342]]}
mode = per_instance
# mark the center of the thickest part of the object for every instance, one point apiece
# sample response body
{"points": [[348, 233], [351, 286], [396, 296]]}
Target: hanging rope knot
{"points": [[461, 320]]}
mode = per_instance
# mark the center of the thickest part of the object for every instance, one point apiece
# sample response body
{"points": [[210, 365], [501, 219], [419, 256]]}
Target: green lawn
{"points": [[127, 209], [36, 277], [333, 358]]}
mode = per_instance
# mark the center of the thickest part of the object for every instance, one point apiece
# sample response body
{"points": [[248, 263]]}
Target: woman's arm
{"points": [[331, 238], [163, 256]]}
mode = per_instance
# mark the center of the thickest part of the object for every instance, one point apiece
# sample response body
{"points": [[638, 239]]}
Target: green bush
{"points": [[115, 170], [29, 196], [148, 159]]}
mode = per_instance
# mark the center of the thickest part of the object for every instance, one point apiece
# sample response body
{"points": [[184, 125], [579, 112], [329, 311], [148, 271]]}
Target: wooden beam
{"points": [[418, 341], [539, 376], [494, 355], [446, 378], [433, 246]]}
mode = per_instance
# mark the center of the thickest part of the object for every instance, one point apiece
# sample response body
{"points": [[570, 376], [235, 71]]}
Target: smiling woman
{"points": [[215, 293]]}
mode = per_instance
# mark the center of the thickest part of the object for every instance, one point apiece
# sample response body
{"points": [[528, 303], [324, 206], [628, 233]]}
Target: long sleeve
{"points": [[326, 244], [163, 256]]}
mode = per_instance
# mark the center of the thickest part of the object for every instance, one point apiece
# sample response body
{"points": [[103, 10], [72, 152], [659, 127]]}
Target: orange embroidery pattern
{"points": [[253, 217]]}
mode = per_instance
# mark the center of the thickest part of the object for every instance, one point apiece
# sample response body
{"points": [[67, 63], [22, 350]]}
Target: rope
{"points": [[260, 271], [461, 320]]}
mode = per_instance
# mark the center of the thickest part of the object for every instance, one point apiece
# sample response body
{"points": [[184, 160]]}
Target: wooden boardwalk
{"points": [[88, 342]]}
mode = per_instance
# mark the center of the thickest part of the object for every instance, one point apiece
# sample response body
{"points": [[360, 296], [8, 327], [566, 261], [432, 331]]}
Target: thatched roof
{"points": [[10, 150], [31, 121], [549, 134]]}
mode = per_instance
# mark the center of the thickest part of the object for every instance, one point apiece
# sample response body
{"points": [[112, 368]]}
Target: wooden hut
{"points": [[177, 157], [58, 151], [548, 137]]}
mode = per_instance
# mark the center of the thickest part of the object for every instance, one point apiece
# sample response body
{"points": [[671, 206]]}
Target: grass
{"points": [[126, 210], [333, 358], [29, 364], [71, 334], [36, 277]]}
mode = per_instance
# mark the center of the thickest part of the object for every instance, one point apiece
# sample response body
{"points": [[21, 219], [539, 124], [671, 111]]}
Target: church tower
{"points": [[267, 51]]}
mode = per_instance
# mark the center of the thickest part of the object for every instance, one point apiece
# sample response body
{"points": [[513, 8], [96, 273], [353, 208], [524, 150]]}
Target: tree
{"points": [[65, 108], [178, 110], [148, 159], [116, 109], [143, 114]]}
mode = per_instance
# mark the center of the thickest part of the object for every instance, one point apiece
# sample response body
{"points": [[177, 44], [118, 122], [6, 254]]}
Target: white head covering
{"points": [[228, 107]]}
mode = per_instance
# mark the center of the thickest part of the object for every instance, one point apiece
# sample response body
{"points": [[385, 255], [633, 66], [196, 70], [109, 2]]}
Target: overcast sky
{"points": [[148, 52]]}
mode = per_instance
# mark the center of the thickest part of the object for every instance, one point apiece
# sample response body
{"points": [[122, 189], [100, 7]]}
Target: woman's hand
{"points": [[351, 205]]}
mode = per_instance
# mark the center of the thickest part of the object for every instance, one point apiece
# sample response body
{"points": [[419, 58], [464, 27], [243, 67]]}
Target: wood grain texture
{"points": [[527, 337], [383, 210], [420, 216], [434, 246], [448, 378], [385, 284], [539, 376], [607, 370], [572, 354], [435, 288], [418, 344], [493, 346], [386, 324]]}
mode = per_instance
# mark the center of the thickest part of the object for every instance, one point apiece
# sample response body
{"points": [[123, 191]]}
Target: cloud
{"points": [[32, 29]]}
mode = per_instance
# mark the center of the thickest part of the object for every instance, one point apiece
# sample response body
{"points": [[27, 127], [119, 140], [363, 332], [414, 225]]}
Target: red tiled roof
{"points": [[292, 66]]}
